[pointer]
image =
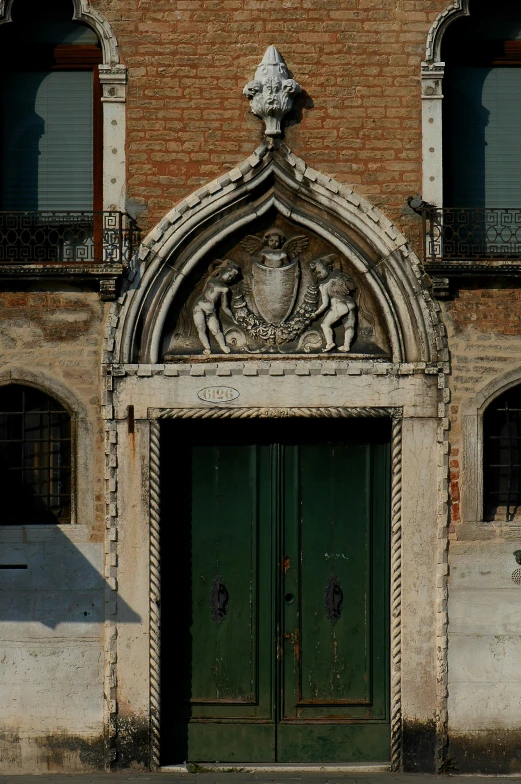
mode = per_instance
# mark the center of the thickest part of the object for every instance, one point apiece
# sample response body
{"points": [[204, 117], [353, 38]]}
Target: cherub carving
{"points": [[335, 290], [276, 251], [215, 295]]}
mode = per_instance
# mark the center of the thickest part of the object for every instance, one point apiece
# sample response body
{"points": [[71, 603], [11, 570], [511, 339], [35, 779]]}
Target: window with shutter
{"points": [[47, 146], [484, 105], [50, 111]]}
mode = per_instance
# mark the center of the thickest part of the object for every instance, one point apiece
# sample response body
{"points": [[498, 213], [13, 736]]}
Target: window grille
{"points": [[502, 457], [35, 458]]}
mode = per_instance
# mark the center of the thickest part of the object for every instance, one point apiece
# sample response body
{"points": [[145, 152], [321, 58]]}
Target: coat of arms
{"points": [[272, 299], [275, 273]]}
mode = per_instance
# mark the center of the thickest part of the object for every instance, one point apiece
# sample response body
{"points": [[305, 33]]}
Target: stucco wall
{"points": [[51, 618], [484, 612]]}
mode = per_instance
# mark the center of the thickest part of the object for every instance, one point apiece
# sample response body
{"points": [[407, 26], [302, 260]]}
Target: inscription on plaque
{"points": [[218, 394]]}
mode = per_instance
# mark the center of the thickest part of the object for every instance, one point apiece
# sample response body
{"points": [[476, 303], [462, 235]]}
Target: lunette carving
{"points": [[271, 91], [274, 294], [215, 294], [335, 289]]}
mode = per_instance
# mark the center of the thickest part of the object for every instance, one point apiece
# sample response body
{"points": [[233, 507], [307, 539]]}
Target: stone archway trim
{"points": [[408, 302], [443, 20], [155, 415], [472, 458]]}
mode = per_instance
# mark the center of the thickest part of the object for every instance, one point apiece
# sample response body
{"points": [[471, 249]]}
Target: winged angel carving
{"points": [[264, 310], [276, 251]]}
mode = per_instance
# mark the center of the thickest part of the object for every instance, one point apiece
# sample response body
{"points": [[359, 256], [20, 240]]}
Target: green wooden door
{"points": [[275, 608]]}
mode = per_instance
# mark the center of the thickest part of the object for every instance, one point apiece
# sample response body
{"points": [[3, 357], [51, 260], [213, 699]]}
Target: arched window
{"points": [[50, 106], [502, 457], [482, 109], [35, 458]]}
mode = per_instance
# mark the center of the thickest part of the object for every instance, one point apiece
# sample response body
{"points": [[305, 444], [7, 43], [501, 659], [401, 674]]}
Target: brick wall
{"points": [[358, 62]]}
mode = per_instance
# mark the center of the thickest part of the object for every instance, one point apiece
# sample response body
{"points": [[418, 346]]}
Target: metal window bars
{"points": [[502, 464], [67, 237], [35, 457], [471, 234]]}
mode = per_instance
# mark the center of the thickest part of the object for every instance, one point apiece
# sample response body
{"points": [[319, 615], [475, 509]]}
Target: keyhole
{"points": [[289, 598]]}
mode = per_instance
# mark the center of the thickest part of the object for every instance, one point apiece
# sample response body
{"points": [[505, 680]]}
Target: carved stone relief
{"points": [[271, 91], [281, 290]]}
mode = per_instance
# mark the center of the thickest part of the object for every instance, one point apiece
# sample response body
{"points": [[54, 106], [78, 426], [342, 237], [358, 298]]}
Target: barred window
{"points": [[502, 457], [35, 458]]}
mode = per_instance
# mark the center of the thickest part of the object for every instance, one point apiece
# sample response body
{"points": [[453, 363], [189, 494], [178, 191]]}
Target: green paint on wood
{"points": [[275, 516]]}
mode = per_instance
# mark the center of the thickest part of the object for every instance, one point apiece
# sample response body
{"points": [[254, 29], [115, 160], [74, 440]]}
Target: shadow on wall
{"points": [[47, 578]]}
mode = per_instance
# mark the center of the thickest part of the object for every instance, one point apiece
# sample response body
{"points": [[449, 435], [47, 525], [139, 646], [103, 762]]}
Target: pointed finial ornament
{"points": [[271, 92]]}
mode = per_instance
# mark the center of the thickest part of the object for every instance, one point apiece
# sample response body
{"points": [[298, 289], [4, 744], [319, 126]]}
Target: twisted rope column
{"points": [[155, 596], [396, 596], [268, 413]]}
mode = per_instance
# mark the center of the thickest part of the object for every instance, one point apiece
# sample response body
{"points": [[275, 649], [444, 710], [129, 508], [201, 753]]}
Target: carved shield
{"points": [[275, 290]]}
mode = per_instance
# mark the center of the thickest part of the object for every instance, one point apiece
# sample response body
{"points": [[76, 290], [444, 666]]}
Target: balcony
{"points": [[461, 241], [79, 245]]}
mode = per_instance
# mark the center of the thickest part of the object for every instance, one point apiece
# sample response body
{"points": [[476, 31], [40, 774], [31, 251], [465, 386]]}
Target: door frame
{"points": [[395, 592]]}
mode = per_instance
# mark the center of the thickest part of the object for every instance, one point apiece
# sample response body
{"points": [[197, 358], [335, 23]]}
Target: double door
{"points": [[275, 591]]}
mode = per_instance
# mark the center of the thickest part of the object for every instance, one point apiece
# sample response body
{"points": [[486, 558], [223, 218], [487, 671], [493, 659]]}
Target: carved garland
{"points": [[396, 547]]}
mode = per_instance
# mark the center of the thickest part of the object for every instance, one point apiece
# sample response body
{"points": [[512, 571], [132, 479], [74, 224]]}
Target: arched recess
{"points": [[82, 12], [472, 455], [433, 71], [82, 501], [113, 78], [436, 96], [274, 179], [456, 9]]}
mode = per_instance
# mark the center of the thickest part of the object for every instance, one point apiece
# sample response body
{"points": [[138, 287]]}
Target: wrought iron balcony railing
{"points": [[457, 236], [50, 238]]}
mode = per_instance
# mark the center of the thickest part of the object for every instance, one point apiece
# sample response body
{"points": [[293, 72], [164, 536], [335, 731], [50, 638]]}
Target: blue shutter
{"points": [[485, 161], [47, 145]]}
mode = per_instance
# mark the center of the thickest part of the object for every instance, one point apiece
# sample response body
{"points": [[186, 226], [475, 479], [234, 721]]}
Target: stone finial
{"points": [[270, 93]]}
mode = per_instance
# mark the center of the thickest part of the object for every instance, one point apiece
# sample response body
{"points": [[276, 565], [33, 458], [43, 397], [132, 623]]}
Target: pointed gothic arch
{"points": [[274, 179]]}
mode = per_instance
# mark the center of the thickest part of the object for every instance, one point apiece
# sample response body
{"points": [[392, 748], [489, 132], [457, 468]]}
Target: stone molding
{"points": [[83, 12], [456, 9], [272, 167], [81, 432], [155, 596], [396, 546], [396, 596], [283, 366], [432, 72], [225, 205], [472, 412], [267, 412]]}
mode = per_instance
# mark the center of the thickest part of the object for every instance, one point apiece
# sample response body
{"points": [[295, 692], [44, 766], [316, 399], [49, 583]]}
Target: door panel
{"points": [[334, 601], [282, 546], [221, 651]]}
